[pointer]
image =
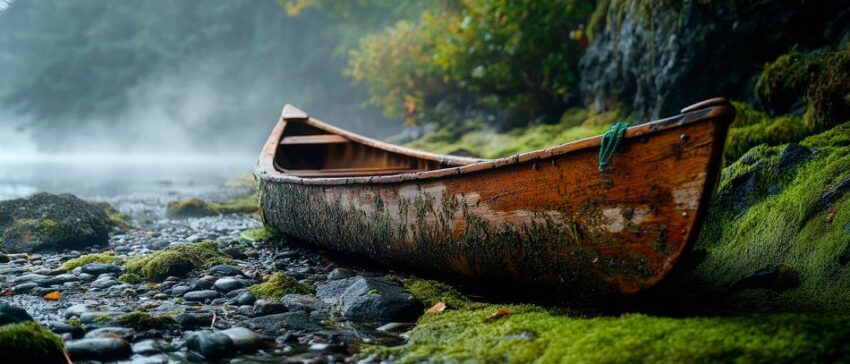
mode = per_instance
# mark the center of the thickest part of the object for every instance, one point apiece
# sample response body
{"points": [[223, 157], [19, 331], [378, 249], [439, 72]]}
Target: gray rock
{"points": [[245, 340], [60, 328], [372, 300], [102, 283], [57, 280], [292, 321], [211, 345], [151, 347], [25, 287], [45, 222], [179, 291], [228, 284], [189, 321], [10, 314], [98, 269], [28, 278], [225, 270], [201, 295], [246, 298], [303, 302], [78, 310], [340, 273], [104, 349], [267, 307], [111, 332]]}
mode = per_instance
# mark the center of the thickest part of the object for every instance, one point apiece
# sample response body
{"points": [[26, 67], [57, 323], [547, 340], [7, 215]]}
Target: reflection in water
{"points": [[110, 174]]}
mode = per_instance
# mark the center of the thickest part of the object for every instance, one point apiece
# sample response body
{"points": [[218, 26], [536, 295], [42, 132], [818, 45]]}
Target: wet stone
{"points": [[57, 280], [211, 345], [340, 273], [267, 307], [190, 321], [60, 328], [150, 347], [98, 269], [11, 314], [228, 284], [303, 302], [245, 340], [111, 332], [102, 283], [224, 270], [103, 349], [292, 321], [201, 295]]}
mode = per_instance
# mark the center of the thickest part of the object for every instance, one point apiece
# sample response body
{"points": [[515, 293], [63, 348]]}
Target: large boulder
{"points": [[46, 222], [654, 59], [367, 299]]}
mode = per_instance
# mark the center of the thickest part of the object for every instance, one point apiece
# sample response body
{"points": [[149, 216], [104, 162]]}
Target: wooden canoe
{"points": [[547, 218]]}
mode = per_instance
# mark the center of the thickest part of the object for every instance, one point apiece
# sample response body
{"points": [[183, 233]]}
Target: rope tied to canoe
{"points": [[610, 143]]}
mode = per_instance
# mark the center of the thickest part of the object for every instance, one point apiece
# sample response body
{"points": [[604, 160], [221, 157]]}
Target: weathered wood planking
{"points": [[547, 217]]}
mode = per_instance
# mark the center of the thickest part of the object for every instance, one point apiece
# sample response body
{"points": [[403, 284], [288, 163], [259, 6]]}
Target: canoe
{"points": [[550, 218]]}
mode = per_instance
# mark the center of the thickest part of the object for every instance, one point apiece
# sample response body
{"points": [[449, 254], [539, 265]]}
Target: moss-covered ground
{"points": [[260, 234], [28, 342], [177, 260], [103, 258], [143, 321], [277, 286], [768, 280], [195, 207]]}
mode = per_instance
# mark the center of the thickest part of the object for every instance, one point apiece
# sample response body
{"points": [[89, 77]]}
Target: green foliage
{"points": [[28, 342], [495, 55], [752, 128], [103, 258], [144, 321], [432, 292], [474, 138], [795, 215], [177, 260], [819, 80], [279, 285]]}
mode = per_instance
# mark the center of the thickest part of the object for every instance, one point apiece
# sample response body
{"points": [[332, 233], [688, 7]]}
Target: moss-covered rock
{"points": [[177, 260], [45, 222], [788, 207], [130, 278], [819, 80], [118, 218], [279, 285], [260, 234], [752, 127], [103, 258], [28, 342], [195, 207], [144, 321]]}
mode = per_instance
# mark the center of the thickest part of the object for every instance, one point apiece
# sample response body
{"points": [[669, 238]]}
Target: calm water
{"points": [[113, 175]]}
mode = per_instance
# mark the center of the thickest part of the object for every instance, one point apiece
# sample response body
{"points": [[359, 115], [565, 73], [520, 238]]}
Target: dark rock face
{"points": [[45, 222], [371, 300], [654, 60], [291, 321]]}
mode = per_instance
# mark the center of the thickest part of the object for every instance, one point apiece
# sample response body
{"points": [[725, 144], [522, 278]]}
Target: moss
{"points": [[28, 342], [243, 180], [279, 285], [774, 209], [47, 231], [431, 292], [177, 260], [103, 258], [475, 139], [76, 323], [195, 207], [130, 278], [534, 334], [144, 321], [260, 234], [820, 80], [752, 127], [118, 218]]}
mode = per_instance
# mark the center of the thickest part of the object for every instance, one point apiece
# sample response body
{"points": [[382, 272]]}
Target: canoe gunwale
{"points": [[265, 170]]}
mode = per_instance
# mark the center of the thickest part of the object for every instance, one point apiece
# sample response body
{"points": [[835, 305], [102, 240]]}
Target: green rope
{"points": [[609, 144]]}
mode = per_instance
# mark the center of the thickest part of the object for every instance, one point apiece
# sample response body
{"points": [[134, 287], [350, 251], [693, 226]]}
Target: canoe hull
{"points": [[549, 218]]}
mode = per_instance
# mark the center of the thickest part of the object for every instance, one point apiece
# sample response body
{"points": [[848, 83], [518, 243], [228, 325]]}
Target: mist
{"points": [[150, 94]]}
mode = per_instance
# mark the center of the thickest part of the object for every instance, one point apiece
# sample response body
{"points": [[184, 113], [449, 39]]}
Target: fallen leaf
{"points": [[53, 296], [8, 292], [499, 314], [437, 307]]}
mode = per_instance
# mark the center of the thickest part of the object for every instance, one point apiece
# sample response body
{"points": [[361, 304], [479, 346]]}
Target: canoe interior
{"points": [[308, 150]]}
